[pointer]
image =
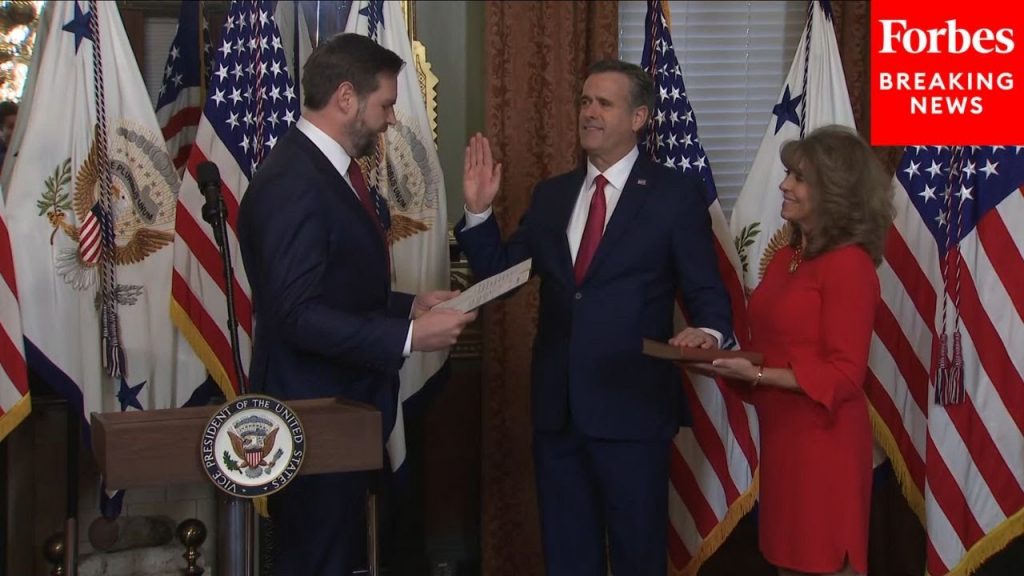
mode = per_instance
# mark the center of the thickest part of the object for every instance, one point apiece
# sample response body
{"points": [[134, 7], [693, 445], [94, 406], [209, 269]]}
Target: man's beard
{"points": [[364, 140]]}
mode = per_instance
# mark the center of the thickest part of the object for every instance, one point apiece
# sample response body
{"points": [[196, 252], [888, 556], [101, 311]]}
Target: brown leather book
{"points": [[669, 352]]}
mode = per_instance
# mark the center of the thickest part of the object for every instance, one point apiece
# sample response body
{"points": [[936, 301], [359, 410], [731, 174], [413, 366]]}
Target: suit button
{"points": [[579, 295]]}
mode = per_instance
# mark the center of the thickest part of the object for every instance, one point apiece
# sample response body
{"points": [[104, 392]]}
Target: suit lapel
{"points": [[563, 213], [633, 197], [335, 181]]}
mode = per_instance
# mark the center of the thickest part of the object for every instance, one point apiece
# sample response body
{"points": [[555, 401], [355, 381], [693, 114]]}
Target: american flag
{"points": [[186, 76], [713, 462], [953, 266], [251, 102], [15, 403], [89, 236]]}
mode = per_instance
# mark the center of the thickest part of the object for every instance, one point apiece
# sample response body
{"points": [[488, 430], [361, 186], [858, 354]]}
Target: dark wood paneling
{"points": [[135, 27]]}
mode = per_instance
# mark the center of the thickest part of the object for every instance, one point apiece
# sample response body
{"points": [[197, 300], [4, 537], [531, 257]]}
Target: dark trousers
{"points": [[319, 525], [592, 488]]}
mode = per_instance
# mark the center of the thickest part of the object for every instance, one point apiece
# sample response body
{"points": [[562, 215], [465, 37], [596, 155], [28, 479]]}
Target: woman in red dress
{"points": [[811, 316]]}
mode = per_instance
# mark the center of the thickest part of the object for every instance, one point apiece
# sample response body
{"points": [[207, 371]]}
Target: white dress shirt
{"points": [[330, 147], [617, 174], [341, 160]]}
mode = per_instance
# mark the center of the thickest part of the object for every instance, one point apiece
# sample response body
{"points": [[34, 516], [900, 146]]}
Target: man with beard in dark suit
{"points": [[314, 243]]}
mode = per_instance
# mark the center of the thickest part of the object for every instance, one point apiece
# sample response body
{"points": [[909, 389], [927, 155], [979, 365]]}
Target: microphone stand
{"points": [[215, 214], [236, 523]]}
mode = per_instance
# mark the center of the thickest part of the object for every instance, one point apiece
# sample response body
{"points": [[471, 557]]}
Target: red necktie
{"points": [[593, 230], [355, 175]]}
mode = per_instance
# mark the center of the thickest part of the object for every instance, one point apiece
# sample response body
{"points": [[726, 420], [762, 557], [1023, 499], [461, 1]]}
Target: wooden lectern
{"points": [[161, 447]]}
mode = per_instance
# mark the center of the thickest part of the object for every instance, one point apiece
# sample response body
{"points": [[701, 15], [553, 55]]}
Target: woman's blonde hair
{"points": [[851, 194]]}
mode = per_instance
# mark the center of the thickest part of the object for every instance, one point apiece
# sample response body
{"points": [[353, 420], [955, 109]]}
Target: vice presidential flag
{"points": [[814, 95], [27, 95], [406, 171], [91, 212]]}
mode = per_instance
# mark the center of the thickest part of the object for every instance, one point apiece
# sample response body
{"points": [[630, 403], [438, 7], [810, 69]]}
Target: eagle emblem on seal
{"points": [[252, 441], [253, 449], [144, 187]]}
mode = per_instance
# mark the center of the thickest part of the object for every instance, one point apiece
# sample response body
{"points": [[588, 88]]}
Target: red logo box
{"points": [[946, 73]]}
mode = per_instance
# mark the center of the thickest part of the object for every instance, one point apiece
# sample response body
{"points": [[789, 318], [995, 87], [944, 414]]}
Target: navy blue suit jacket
{"points": [[587, 355], [327, 323]]}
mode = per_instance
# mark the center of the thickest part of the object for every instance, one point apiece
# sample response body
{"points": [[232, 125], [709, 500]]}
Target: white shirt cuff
{"points": [[476, 219], [407, 351], [715, 333]]}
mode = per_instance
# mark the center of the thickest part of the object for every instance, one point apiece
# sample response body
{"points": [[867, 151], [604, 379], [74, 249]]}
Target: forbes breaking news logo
{"points": [[949, 40], [944, 75]]}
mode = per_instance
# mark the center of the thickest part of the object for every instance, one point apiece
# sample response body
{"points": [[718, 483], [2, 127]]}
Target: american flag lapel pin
{"points": [[642, 182]]}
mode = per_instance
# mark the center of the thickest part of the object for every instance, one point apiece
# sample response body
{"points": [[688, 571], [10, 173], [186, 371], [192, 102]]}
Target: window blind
{"points": [[734, 56]]}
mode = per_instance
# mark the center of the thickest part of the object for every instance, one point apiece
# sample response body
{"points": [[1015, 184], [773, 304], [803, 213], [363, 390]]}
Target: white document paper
{"points": [[486, 290]]}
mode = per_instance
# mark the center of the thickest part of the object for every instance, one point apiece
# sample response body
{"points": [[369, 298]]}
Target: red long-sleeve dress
{"points": [[816, 445]]}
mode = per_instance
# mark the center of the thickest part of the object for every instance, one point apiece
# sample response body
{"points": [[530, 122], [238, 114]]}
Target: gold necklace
{"points": [[798, 257]]}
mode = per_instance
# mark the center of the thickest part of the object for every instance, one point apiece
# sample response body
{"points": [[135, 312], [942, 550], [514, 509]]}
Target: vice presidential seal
{"points": [[252, 446]]}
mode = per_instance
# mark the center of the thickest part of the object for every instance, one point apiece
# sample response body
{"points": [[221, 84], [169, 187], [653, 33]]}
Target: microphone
{"points": [[208, 178]]}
